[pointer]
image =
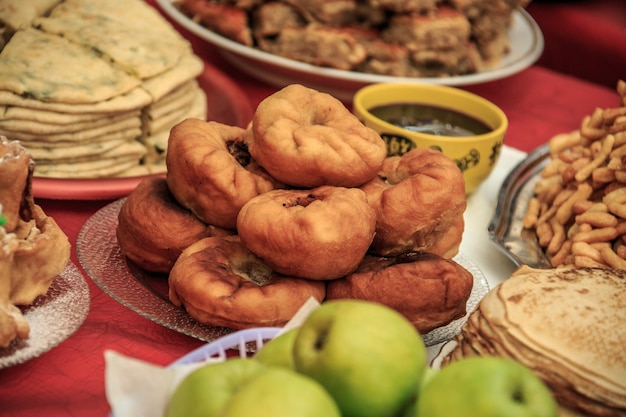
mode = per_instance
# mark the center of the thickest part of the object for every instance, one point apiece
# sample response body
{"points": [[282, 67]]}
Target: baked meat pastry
{"points": [[42, 253], [307, 138], [427, 289], [34, 249], [12, 324], [153, 228], [320, 234], [221, 283], [417, 198], [211, 172]]}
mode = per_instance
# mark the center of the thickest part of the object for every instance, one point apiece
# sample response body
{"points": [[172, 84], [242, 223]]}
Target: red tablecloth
{"points": [[597, 51], [69, 379]]}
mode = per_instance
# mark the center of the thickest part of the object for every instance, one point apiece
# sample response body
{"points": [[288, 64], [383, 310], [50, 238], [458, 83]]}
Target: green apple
{"points": [[485, 386], [280, 392], [245, 387], [410, 411], [205, 391], [368, 356], [429, 373], [279, 351]]}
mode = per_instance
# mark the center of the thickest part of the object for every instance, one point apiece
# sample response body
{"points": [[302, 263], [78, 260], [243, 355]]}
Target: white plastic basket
{"points": [[245, 341]]}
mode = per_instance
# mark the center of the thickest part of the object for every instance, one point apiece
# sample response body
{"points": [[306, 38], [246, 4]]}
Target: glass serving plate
{"points": [[505, 228], [147, 293], [53, 317]]}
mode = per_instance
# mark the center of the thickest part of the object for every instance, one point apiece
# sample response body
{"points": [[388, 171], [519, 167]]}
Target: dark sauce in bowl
{"points": [[429, 119]]}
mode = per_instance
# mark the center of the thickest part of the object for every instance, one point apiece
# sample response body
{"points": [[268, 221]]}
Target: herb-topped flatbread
{"points": [[52, 117], [43, 128], [15, 14], [109, 163], [93, 87], [187, 69], [50, 68], [135, 99], [134, 36], [74, 151], [93, 133]]}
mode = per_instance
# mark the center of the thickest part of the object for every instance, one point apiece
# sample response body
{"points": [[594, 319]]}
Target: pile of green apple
{"points": [[353, 358]]}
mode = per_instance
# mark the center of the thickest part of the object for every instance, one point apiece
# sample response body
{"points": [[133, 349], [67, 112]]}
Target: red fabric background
{"points": [[584, 38], [69, 379]]}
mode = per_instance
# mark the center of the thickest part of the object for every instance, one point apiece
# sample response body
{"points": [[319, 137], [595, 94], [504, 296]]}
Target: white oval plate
{"points": [[526, 47]]}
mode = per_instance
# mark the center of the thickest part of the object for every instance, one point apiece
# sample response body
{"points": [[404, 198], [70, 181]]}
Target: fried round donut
{"points": [[307, 138], [210, 171], [427, 289], [320, 234], [153, 228], [417, 197], [221, 283]]}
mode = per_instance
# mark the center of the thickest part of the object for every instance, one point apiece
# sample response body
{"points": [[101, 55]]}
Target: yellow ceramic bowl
{"points": [[475, 155]]}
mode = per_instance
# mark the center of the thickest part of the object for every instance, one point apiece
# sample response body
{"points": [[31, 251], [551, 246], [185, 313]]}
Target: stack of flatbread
{"points": [[568, 325], [91, 88]]}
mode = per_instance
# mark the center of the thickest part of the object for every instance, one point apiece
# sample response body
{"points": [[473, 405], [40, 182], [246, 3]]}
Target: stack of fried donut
{"points": [[303, 203]]}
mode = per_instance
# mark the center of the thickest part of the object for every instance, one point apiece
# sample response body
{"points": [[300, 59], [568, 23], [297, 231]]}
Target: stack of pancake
{"points": [[565, 324], [91, 88]]}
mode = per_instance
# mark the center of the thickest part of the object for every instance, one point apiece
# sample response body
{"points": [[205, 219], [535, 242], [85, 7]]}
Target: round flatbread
{"points": [[135, 37], [54, 117], [135, 99], [44, 129], [15, 14], [35, 64]]}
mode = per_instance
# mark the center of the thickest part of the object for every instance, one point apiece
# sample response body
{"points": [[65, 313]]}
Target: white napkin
{"points": [[135, 388]]}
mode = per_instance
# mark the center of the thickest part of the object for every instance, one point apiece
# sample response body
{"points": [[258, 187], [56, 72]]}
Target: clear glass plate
{"points": [[147, 293], [53, 317]]}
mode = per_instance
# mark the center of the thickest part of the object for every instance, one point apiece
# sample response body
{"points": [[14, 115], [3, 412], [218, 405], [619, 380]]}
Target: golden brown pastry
{"points": [[42, 253], [449, 244], [417, 198], [221, 283], [153, 228], [43, 250], [427, 289], [210, 171], [306, 138], [16, 170], [33, 251], [12, 324], [320, 234]]}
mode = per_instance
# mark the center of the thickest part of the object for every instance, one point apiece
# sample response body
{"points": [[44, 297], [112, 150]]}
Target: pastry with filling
{"points": [[221, 283], [34, 249], [430, 291], [153, 228]]}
